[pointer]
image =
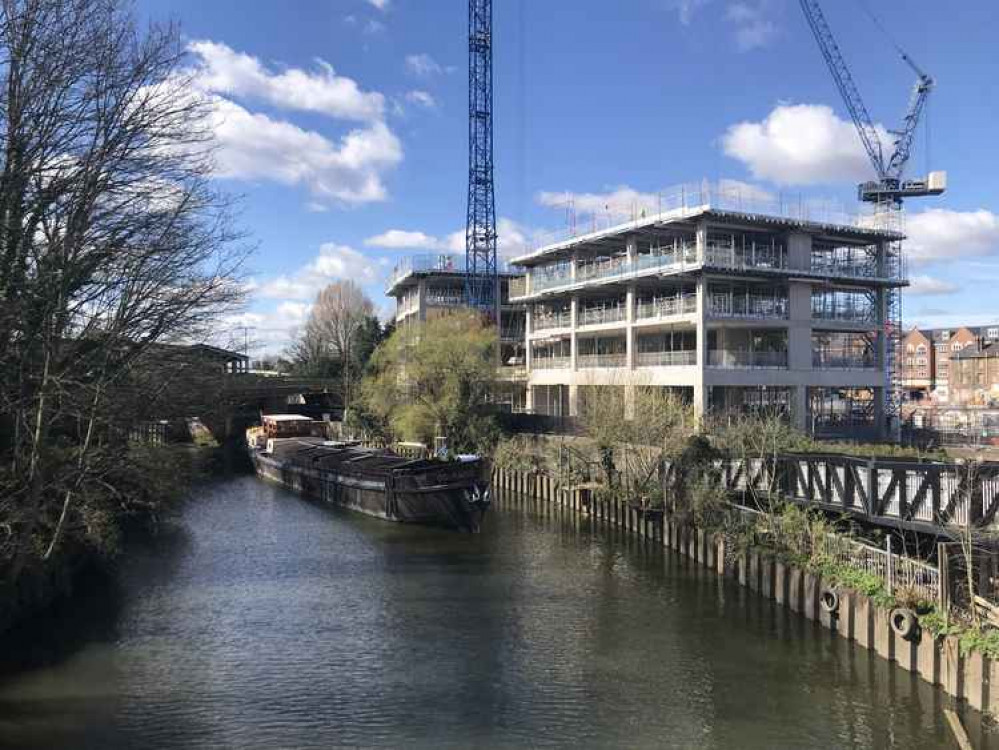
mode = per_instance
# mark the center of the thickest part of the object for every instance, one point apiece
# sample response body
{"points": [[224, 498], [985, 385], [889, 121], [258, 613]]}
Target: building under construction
{"points": [[737, 304]]}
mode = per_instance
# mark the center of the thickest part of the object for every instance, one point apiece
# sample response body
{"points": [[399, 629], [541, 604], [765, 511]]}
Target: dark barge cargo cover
{"points": [[449, 493]]}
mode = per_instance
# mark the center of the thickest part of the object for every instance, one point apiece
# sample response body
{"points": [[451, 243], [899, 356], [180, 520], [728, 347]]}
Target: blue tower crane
{"points": [[481, 270], [887, 192], [889, 187]]}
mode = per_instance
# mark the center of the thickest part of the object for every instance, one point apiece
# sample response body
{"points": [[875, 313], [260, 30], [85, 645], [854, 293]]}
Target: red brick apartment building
{"points": [[931, 368]]}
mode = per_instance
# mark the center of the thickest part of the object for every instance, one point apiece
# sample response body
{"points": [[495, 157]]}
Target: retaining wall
{"points": [[935, 660]]}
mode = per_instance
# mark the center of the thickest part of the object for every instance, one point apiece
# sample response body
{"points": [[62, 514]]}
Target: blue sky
{"points": [[342, 123]]}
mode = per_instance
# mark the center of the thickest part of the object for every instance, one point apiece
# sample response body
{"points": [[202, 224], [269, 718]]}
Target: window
{"points": [[992, 333], [921, 361], [956, 346], [910, 348], [944, 335], [921, 349]]}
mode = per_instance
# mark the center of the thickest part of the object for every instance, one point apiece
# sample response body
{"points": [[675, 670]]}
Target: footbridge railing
{"points": [[921, 495]]}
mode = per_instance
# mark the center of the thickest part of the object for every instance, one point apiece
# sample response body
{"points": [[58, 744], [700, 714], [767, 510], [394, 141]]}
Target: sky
{"points": [[342, 127]]}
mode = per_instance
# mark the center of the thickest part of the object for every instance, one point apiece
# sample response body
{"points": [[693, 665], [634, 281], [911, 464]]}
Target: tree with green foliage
{"points": [[434, 379]]}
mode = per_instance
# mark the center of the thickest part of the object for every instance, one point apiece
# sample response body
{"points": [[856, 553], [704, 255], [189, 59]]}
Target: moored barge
{"points": [[437, 492]]}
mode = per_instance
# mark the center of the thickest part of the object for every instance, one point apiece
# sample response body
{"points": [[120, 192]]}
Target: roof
{"points": [[732, 208], [442, 265], [986, 352]]}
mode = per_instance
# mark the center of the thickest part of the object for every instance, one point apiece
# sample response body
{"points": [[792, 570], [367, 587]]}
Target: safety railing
{"points": [[741, 306], [598, 315], [747, 359], [666, 359], [834, 360], [666, 307], [548, 321], [767, 257], [550, 363], [586, 361], [844, 314], [438, 299], [684, 200]]}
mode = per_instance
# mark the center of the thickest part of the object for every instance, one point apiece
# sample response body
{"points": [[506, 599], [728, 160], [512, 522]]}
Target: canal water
{"points": [[269, 622]]}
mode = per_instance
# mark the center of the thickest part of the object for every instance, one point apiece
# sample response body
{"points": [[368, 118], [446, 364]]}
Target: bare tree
{"points": [[334, 326], [112, 239]]}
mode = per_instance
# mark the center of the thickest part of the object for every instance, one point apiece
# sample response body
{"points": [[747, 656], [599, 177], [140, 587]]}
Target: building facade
{"points": [[734, 310], [433, 285], [926, 357]]}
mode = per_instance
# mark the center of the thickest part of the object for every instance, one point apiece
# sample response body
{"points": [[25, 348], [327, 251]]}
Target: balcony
{"points": [[660, 259], [751, 307], [861, 313], [666, 359], [549, 321], [844, 360], [666, 307], [602, 269], [549, 277], [592, 316], [744, 359], [551, 363], [446, 299], [752, 256], [588, 361]]}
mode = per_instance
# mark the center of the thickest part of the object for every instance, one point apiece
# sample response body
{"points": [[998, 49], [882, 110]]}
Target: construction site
{"points": [[737, 299]]}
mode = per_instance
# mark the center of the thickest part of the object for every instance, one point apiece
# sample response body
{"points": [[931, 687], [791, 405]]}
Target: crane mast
{"points": [[481, 270]]}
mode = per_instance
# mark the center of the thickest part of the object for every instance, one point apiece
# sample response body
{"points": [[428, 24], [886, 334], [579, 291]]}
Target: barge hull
{"points": [[459, 504]]}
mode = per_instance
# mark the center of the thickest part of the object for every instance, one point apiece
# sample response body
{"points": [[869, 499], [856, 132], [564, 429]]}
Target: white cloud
{"points": [[382, 5], [753, 27], [620, 199], [222, 70], [800, 144], [929, 285], [332, 262], [399, 239], [511, 239], [294, 312], [423, 98], [424, 66], [254, 146], [686, 8], [940, 234]]}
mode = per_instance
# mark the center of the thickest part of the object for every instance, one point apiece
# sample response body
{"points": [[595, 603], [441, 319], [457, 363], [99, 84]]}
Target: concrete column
{"points": [[701, 344], [421, 300], [631, 247], [529, 399], [573, 400], [573, 344], [528, 327], [629, 332], [799, 408], [799, 251], [799, 328], [702, 239]]}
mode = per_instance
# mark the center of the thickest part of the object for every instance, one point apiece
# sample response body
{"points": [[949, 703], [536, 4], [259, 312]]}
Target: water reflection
{"points": [[271, 622]]}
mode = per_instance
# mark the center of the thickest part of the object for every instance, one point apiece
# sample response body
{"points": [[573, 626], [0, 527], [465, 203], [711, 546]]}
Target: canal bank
{"points": [[267, 621], [940, 661]]}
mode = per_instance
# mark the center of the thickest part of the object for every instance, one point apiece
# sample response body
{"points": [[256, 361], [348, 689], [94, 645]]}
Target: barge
{"points": [[449, 493]]}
